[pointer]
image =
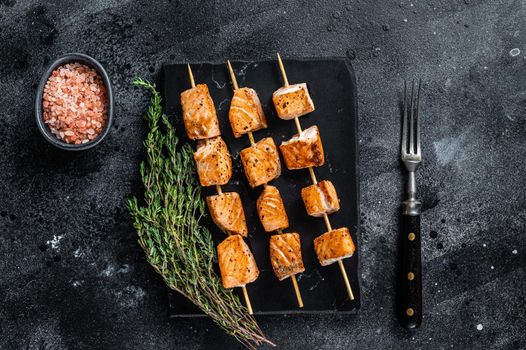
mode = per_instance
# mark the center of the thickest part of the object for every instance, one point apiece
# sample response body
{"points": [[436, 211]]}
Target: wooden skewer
{"points": [[297, 290], [236, 86], [346, 280], [232, 75], [252, 143], [294, 283], [247, 301], [315, 181], [220, 191], [283, 73], [340, 262], [191, 75], [298, 126]]}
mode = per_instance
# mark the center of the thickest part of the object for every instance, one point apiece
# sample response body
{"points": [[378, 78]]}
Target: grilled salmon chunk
{"points": [[333, 246], [292, 101], [236, 262], [285, 255], [320, 198], [246, 114], [303, 150], [199, 113], [227, 212], [271, 210], [214, 165], [261, 162]]}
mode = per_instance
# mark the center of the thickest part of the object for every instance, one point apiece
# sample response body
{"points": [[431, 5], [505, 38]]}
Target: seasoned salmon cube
{"points": [[214, 165], [292, 101], [333, 246], [261, 162], [271, 210], [246, 114], [227, 212], [285, 255], [303, 150], [236, 262], [320, 198], [199, 113]]}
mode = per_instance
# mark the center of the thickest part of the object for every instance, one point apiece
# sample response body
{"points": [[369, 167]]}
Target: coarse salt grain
{"points": [[75, 105]]}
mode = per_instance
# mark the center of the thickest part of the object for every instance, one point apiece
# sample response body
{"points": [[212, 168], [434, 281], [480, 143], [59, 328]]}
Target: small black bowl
{"points": [[44, 129]]}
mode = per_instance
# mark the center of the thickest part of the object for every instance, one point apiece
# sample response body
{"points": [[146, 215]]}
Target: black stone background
{"points": [[92, 289]]}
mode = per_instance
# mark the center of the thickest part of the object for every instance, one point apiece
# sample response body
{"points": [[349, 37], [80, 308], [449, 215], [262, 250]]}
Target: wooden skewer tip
{"points": [[191, 75], [346, 280], [219, 189], [232, 75], [282, 69]]}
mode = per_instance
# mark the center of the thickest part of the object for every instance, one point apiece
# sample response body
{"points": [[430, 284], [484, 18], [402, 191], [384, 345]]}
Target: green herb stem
{"points": [[168, 225]]}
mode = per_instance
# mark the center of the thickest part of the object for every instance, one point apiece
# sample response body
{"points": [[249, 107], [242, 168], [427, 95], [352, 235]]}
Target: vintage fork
{"points": [[410, 292]]}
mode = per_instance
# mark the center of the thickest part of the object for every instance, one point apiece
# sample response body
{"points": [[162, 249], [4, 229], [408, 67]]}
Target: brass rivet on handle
{"points": [[411, 236], [410, 276], [410, 312]]}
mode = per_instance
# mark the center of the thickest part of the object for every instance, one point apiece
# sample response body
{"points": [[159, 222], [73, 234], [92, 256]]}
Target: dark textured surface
{"points": [[72, 274], [333, 89]]}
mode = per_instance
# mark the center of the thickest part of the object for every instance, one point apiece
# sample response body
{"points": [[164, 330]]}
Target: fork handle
{"points": [[410, 279]]}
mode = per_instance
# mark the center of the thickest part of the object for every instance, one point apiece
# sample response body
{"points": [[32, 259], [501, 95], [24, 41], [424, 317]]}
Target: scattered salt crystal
{"points": [[514, 251], [479, 327]]}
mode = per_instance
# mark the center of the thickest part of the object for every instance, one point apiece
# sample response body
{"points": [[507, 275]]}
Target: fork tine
{"points": [[417, 114], [412, 121], [403, 148]]}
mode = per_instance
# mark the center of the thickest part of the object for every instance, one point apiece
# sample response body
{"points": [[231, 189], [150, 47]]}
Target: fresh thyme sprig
{"points": [[169, 229]]}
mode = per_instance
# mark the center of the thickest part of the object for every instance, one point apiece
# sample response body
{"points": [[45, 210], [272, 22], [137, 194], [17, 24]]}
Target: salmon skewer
{"points": [[199, 113], [271, 210], [214, 167], [261, 164], [246, 114], [292, 101], [320, 199], [236, 262], [213, 161], [227, 212], [285, 255], [305, 150], [334, 246]]}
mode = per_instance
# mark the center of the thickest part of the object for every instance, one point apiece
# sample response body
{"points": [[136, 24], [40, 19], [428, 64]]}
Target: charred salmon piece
{"points": [[199, 113], [303, 150], [236, 262], [292, 101], [333, 246], [320, 198], [271, 210], [261, 162], [285, 255], [214, 165], [227, 212], [246, 114]]}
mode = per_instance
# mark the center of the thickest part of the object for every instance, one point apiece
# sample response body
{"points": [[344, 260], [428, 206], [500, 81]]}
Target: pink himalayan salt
{"points": [[75, 105]]}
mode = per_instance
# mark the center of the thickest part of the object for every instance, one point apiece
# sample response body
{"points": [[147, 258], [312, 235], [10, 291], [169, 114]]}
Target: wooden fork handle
{"points": [[410, 292]]}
